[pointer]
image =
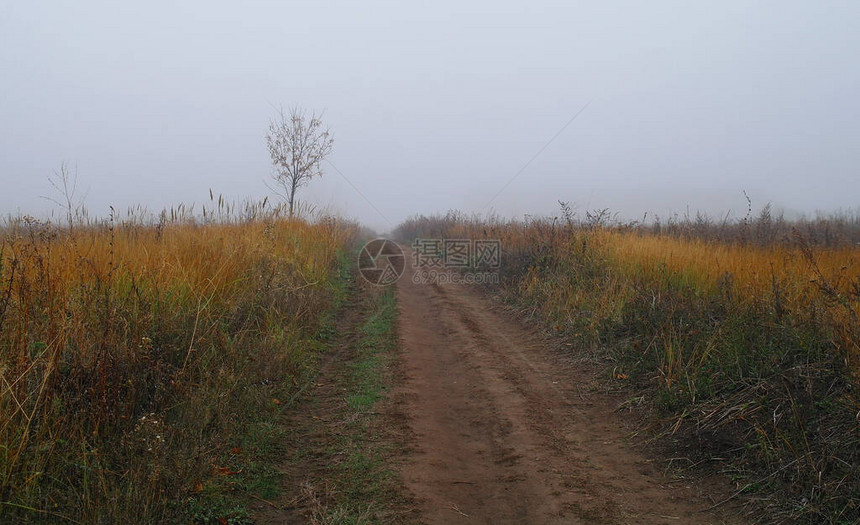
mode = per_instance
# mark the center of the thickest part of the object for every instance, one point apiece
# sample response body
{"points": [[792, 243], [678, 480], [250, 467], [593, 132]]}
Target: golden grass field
{"points": [[786, 276], [130, 353]]}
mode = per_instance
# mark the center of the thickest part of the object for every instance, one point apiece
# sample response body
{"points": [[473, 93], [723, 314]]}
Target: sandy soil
{"points": [[505, 429]]}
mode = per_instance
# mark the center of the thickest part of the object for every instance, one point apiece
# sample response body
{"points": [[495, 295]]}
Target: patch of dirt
{"points": [[505, 429]]}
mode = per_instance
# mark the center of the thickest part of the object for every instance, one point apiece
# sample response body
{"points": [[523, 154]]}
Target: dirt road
{"points": [[505, 431]]}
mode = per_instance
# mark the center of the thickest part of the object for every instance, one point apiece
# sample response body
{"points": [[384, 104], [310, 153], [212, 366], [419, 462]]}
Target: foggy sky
{"points": [[437, 107]]}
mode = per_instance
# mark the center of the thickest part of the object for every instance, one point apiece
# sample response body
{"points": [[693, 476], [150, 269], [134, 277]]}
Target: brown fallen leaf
{"points": [[618, 375], [224, 471]]}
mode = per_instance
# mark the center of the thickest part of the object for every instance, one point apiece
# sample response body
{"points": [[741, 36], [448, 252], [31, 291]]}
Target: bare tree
{"points": [[66, 185], [298, 143]]}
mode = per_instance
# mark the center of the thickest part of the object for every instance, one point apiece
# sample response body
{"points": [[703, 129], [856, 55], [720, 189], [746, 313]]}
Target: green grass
{"points": [[364, 483]]}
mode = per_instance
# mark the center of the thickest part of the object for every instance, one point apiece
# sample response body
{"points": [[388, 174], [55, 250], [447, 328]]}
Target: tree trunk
{"points": [[293, 195]]}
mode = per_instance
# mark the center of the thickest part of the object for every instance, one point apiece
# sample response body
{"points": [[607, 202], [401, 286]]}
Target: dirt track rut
{"points": [[505, 430]]}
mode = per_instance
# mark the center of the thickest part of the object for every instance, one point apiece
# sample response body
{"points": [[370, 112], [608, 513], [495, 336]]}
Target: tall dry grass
{"points": [[130, 349]]}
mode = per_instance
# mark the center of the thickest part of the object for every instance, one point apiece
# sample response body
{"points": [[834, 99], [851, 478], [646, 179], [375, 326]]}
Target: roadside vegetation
{"points": [[739, 340], [145, 361]]}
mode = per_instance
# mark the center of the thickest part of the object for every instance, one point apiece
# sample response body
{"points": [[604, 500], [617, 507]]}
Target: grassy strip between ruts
{"points": [[364, 484], [336, 450]]}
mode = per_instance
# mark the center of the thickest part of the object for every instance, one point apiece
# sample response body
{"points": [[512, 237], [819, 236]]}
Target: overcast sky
{"points": [[438, 107]]}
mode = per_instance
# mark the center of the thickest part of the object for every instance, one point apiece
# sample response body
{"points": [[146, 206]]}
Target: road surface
{"points": [[504, 427]]}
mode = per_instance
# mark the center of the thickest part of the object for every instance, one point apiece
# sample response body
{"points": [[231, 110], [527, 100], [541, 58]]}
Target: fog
{"points": [[437, 107]]}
